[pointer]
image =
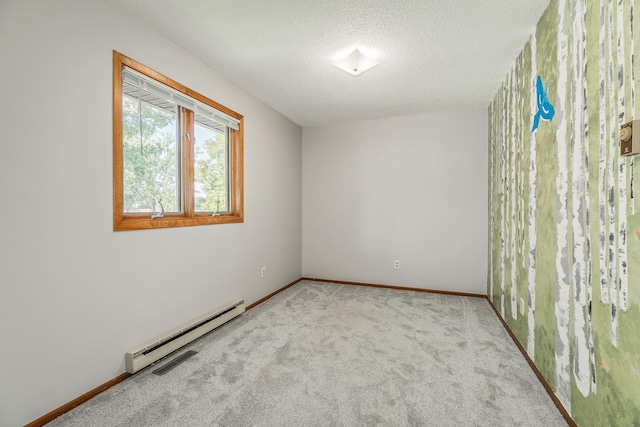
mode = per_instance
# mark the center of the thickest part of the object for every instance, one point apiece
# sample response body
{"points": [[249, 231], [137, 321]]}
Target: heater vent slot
{"points": [[175, 362], [185, 331]]}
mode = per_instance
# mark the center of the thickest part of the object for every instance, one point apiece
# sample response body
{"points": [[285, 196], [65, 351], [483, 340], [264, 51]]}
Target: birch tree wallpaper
{"points": [[564, 222]]}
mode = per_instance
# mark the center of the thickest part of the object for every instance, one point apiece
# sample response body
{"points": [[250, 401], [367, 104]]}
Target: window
{"points": [[177, 155]]}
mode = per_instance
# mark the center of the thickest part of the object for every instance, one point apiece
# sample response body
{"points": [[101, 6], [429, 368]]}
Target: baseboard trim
{"points": [[77, 401], [535, 369], [398, 288], [261, 300]]}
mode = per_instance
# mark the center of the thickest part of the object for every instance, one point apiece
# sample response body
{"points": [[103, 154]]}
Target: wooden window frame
{"points": [[189, 217]]}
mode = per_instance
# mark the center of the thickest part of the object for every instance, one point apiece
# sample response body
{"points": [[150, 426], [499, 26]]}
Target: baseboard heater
{"points": [[158, 348]]}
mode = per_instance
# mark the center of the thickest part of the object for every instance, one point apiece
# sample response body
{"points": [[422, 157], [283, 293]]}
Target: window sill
{"points": [[169, 221]]}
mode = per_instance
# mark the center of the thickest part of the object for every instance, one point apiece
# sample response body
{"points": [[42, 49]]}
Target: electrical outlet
{"points": [[396, 265], [522, 306], [263, 272]]}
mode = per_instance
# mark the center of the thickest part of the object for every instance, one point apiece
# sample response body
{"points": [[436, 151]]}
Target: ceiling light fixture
{"points": [[356, 63]]}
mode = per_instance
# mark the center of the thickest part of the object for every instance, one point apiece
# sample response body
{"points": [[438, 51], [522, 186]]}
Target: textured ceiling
{"points": [[434, 54]]}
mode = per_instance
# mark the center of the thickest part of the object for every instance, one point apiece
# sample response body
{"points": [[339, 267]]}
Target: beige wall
{"points": [[409, 188], [74, 295]]}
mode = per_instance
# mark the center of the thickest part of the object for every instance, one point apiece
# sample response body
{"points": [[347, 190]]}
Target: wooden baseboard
{"points": [[399, 288], [535, 369], [261, 300], [77, 401]]}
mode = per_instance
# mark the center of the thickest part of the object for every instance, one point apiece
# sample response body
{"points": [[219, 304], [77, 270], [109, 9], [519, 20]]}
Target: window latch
{"points": [[188, 136], [217, 212], [159, 214]]}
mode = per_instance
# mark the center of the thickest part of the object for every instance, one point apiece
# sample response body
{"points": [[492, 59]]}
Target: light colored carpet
{"points": [[322, 354]]}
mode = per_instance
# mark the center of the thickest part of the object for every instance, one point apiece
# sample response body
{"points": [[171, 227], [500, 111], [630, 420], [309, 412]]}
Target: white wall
{"points": [[407, 188], [74, 295]]}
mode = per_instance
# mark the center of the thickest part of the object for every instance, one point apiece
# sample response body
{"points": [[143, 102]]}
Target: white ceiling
{"points": [[434, 54]]}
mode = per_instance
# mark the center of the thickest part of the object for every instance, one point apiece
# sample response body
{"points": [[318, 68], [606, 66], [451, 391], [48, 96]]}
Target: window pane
{"points": [[211, 179], [151, 172]]}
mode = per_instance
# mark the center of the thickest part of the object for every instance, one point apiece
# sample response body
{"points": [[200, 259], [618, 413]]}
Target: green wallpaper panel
{"points": [[564, 217]]}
